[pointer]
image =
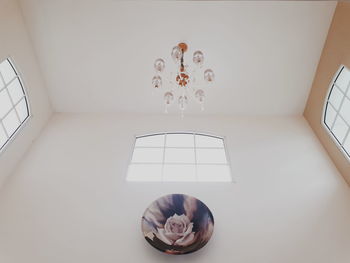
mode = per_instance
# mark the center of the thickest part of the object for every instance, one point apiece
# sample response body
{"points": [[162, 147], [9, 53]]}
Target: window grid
{"points": [[331, 125], [14, 105], [195, 147]]}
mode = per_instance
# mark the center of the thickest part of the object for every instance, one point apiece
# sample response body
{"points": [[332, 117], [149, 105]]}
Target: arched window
{"points": [[336, 117], [179, 157], [13, 102]]}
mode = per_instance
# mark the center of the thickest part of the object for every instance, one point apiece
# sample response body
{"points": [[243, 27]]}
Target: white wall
{"points": [[15, 43], [69, 202]]}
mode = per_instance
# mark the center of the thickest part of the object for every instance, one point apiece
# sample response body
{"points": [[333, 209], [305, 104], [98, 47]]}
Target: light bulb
{"points": [[168, 98], [176, 54], [157, 82], [209, 75], [183, 101], [159, 65], [200, 95], [198, 58]]}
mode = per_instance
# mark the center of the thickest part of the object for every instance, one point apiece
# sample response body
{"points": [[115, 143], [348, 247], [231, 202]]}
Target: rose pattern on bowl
{"points": [[177, 224], [177, 231]]}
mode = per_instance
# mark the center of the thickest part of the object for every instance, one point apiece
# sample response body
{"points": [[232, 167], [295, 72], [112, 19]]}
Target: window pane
{"points": [[2, 84], [178, 159], [347, 145], [5, 103], [11, 122], [345, 110], [15, 90], [341, 125], [213, 173], [7, 71], [22, 110], [145, 172], [340, 129], [179, 140], [208, 141], [330, 116], [3, 137], [148, 155], [211, 156], [150, 141], [183, 173], [179, 155], [343, 79], [12, 93], [336, 97]]}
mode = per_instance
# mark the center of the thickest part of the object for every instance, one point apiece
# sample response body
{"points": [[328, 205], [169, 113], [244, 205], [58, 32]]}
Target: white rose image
{"points": [[177, 231]]}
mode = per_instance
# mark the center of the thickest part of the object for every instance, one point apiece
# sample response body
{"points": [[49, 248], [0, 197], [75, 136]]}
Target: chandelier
{"points": [[184, 82]]}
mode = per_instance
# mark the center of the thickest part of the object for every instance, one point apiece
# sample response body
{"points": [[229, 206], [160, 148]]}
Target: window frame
{"points": [[223, 138], [19, 76], [324, 113]]}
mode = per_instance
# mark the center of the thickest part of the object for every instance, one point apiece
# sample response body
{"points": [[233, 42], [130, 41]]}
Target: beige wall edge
{"points": [[335, 52]]}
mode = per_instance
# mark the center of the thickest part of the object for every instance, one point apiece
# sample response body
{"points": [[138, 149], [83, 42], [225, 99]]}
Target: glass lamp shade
{"points": [[183, 101], [159, 65], [157, 82], [198, 58], [200, 95], [176, 54], [209, 75], [168, 98]]}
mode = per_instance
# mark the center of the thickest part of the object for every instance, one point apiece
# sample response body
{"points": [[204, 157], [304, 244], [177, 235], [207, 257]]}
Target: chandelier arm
{"points": [[182, 67]]}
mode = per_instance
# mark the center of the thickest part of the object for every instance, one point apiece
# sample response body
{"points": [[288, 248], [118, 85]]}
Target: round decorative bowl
{"points": [[177, 224]]}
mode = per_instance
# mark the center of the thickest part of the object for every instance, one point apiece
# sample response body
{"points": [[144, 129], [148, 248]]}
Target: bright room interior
{"points": [[87, 146]]}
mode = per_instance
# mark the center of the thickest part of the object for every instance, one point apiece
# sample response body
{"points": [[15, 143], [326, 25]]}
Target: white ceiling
{"points": [[97, 56]]}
